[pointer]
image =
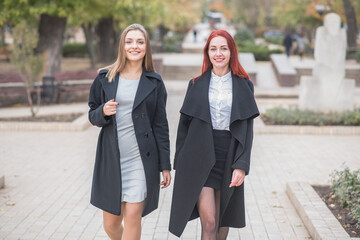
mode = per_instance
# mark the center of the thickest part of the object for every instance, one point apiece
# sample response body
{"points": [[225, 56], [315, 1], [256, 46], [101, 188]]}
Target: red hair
{"points": [[234, 63]]}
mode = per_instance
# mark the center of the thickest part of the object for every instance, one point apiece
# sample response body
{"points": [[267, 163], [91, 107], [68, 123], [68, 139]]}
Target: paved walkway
{"points": [[48, 179]]}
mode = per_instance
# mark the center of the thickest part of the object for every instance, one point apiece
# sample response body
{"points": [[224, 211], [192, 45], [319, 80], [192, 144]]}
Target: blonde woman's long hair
{"points": [[120, 62]]}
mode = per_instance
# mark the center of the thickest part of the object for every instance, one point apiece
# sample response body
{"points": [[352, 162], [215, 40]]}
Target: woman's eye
{"points": [[212, 49], [128, 42], [141, 42]]}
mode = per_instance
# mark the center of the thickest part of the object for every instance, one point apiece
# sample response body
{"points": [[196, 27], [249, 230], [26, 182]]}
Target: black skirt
{"points": [[221, 144]]}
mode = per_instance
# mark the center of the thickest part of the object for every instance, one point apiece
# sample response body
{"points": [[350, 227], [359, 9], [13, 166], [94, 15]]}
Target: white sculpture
{"points": [[327, 90]]}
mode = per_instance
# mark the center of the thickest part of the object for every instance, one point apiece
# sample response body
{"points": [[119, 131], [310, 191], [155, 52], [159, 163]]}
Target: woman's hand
{"points": [[238, 177], [110, 107], [166, 179]]}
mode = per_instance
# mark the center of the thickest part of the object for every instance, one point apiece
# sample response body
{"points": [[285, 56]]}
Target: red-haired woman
{"points": [[214, 143]]}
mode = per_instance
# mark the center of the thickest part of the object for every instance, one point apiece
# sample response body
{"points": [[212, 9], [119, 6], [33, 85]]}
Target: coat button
{"points": [[146, 135], [148, 154], [143, 115], [136, 116]]}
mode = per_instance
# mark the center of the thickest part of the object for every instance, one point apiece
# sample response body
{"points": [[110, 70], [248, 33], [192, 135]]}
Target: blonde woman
{"points": [[127, 100]]}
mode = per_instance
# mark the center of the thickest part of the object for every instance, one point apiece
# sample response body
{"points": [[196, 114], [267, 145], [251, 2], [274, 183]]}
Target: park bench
{"points": [[284, 71], [73, 90], [247, 60]]}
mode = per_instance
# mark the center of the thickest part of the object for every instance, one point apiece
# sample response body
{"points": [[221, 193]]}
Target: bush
{"points": [[295, 116], [346, 185], [75, 50], [172, 43], [244, 35], [275, 39], [261, 53]]}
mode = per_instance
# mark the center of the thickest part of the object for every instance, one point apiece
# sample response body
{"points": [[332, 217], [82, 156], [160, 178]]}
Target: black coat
{"points": [[152, 135], [195, 154]]}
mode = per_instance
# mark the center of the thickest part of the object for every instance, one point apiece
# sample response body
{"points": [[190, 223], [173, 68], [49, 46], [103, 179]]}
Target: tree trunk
{"points": [[51, 35], [89, 31], [352, 28], [105, 33], [2, 39]]}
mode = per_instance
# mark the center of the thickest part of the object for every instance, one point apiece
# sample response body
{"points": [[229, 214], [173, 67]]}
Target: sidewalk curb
{"points": [[318, 219], [79, 124]]}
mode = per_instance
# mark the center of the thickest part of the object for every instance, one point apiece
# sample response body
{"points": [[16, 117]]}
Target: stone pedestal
{"points": [[313, 96]]}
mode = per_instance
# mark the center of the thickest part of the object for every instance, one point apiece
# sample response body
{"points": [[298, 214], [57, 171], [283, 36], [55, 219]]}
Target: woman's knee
{"points": [[112, 226], [112, 223], [133, 213], [208, 223]]}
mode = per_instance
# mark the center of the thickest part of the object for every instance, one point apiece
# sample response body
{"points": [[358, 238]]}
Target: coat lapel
{"points": [[243, 105], [196, 103], [146, 86], [110, 87]]}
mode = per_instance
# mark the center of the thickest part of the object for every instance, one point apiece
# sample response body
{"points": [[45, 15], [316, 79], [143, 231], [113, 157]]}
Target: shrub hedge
{"points": [[295, 116], [75, 50]]}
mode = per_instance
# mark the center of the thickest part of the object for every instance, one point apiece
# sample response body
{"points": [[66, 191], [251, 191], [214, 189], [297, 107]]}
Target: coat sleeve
{"points": [[96, 115], [161, 129], [244, 161], [182, 130], [181, 135]]}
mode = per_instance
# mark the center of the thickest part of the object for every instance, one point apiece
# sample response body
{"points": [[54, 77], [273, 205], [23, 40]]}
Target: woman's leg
{"points": [[207, 212], [132, 220], [223, 231], [113, 224]]}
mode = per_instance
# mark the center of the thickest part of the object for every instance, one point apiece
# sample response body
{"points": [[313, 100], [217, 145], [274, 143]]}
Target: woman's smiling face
{"points": [[135, 45], [219, 52]]}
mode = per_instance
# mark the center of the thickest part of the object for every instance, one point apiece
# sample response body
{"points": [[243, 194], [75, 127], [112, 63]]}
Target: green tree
{"points": [[52, 17], [27, 62]]}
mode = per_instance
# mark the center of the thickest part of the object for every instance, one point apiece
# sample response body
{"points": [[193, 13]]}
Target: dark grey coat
{"points": [[152, 135], [195, 154]]}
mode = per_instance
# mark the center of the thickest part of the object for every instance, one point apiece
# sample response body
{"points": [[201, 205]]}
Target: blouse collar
{"points": [[222, 78]]}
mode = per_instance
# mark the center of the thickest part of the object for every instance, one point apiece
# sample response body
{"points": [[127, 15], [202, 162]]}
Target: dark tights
{"points": [[209, 208]]}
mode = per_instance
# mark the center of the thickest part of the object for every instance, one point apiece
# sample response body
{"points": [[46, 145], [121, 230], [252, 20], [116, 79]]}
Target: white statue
{"points": [[327, 90]]}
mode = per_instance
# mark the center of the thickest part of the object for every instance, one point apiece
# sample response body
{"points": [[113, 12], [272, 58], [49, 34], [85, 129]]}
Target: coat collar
{"points": [[146, 86], [196, 103]]}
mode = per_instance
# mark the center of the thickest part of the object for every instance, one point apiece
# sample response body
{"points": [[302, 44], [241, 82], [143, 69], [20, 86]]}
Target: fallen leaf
{"points": [[276, 206], [10, 203], [332, 205], [298, 225], [1, 209], [273, 192], [353, 232]]}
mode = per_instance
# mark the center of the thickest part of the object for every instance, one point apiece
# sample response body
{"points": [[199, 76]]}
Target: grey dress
{"points": [[132, 169]]}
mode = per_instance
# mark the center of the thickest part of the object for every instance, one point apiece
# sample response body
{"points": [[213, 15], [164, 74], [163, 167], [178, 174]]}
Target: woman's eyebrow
{"points": [[136, 39], [220, 46]]}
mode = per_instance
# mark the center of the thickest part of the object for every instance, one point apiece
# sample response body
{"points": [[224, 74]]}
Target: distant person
{"points": [[195, 35], [288, 44], [214, 141], [301, 42], [127, 100]]}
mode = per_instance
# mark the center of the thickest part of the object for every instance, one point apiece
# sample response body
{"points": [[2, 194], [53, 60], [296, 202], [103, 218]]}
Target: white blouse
{"points": [[220, 100]]}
